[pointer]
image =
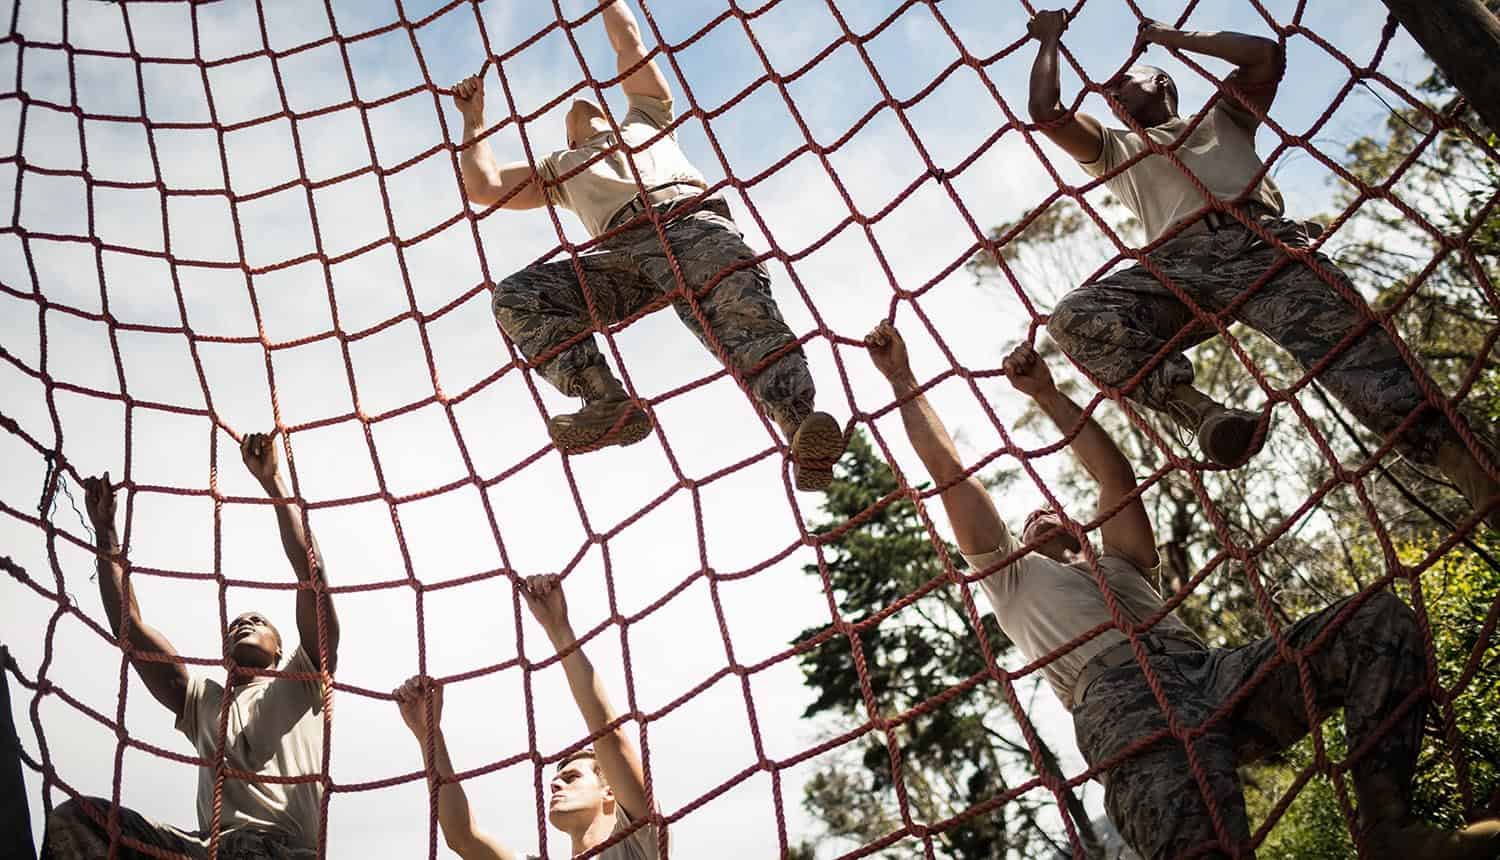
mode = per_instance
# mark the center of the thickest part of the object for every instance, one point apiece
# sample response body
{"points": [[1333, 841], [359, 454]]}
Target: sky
{"points": [[419, 462]]}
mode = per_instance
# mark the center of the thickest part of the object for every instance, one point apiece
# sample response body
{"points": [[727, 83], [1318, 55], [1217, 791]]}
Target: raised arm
{"points": [[1259, 62], [259, 454], [1079, 134], [167, 681], [976, 524], [487, 182], [455, 818], [625, 38], [1128, 533], [614, 750]]}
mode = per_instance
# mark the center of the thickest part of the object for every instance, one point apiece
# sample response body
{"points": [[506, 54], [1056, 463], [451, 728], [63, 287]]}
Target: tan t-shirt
{"points": [[275, 729], [597, 192], [1220, 152], [640, 845], [1043, 604]]}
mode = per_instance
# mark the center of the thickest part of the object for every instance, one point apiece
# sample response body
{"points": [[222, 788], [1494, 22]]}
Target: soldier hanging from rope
{"points": [[1045, 593], [275, 724], [544, 306], [1116, 325], [596, 792]]}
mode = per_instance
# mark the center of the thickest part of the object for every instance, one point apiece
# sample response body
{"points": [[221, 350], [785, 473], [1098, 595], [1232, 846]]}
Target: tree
{"points": [[954, 756]]}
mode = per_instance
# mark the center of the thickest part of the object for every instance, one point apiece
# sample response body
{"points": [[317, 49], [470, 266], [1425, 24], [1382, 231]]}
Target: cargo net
{"points": [[48, 57]]}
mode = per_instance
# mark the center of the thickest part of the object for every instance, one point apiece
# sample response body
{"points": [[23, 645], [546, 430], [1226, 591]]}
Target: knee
{"points": [[1066, 318], [74, 809]]}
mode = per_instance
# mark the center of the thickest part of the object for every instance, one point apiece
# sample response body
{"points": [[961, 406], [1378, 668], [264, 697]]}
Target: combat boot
{"points": [[1455, 461], [608, 417], [1225, 436], [1412, 838], [817, 443]]}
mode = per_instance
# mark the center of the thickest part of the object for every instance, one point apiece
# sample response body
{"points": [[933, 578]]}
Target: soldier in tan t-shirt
{"points": [[596, 793], [1196, 184], [274, 723], [1049, 591], [621, 185]]}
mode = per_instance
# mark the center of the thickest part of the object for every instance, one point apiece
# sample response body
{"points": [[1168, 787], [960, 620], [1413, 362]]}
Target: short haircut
{"points": [[585, 753], [1170, 88]]}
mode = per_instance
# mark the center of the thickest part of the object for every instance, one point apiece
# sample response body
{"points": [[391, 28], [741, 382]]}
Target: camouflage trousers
{"points": [[1368, 665], [543, 308], [76, 831], [1117, 325]]}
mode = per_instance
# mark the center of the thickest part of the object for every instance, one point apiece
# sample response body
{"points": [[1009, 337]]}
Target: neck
{"points": [[593, 833]]}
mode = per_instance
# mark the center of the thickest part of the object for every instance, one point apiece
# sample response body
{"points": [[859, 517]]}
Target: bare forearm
{"points": [[1241, 49], [1098, 453], [620, 24], [928, 436], [583, 681], [1046, 88], [112, 583], [301, 550]]}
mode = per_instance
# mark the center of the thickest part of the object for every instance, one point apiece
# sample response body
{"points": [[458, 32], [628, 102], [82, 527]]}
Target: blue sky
{"points": [[699, 744]]}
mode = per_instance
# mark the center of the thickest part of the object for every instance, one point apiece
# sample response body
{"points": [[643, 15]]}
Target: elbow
{"points": [[1046, 112], [461, 844]]}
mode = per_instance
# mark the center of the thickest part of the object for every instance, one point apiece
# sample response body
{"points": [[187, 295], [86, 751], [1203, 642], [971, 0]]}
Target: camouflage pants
{"points": [[543, 307], [1368, 666], [1117, 325], [73, 833]]}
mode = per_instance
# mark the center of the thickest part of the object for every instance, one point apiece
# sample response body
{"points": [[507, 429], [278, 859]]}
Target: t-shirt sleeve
{"points": [[1119, 146], [201, 693], [985, 560], [548, 170], [654, 112], [644, 839], [300, 662]]}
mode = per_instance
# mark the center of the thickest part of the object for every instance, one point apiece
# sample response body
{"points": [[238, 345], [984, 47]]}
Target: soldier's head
{"points": [[1146, 93], [1044, 530], [254, 642], [579, 794], [585, 120]]}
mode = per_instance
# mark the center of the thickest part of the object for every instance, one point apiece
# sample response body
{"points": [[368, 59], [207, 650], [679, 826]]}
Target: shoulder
{"points": [[650, 110]]}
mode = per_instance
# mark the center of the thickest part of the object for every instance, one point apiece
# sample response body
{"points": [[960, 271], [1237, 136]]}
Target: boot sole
{"points": [[819, 443], [1228, 438], [631, 428]]}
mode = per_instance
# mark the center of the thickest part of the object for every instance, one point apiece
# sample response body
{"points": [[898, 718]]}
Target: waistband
{"points": [[1213, 221], [1121, 654], [655, 196]]}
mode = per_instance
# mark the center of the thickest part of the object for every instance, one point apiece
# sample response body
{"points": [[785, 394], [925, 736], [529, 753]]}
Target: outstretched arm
{"points": [[1127, 533], [486, 181], [454, 816], [1259, 62], [301, 550], [976, 523], [614, 750], [625, 38], [167, 681], [1079, 134]]}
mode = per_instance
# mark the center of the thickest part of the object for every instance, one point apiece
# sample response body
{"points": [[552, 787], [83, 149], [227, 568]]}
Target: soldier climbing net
{"points": [[33, 41]]}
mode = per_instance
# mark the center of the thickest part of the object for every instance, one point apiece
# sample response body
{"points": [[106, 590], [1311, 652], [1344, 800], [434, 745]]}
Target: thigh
{"points": [[1155, 796], [616, 288]]}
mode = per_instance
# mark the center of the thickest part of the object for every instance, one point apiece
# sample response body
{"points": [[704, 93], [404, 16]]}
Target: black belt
{"points": [[1121, 654], [655, 196], [1215, 221]]}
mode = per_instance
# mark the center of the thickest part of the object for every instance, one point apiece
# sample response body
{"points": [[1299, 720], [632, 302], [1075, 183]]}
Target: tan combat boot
{"points": [[1225, 436], [817, 443], [1459, 465], [1390, 830], [608, 417]]}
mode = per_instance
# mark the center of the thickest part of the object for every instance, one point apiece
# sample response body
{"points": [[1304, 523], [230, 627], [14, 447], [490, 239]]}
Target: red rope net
{"points": [[30, 108]]}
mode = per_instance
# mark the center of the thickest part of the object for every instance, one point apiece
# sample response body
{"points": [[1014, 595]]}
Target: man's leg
{"points": [[76, 830], [1368, 665], [743, 317], [1116, 326], [544, 311], [1153, 797], [1308, 317]]}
